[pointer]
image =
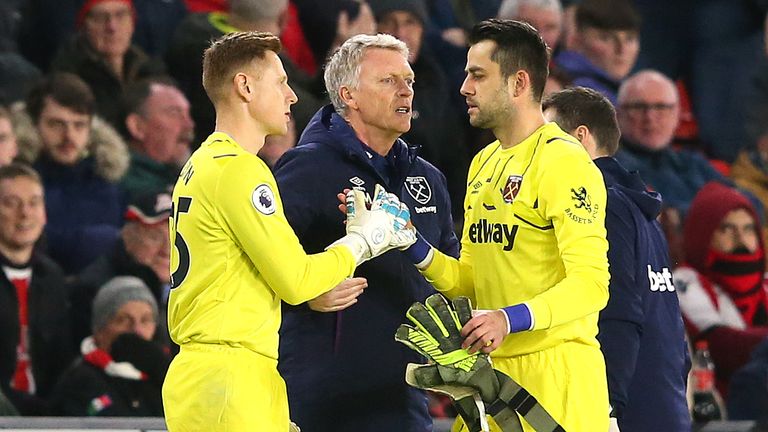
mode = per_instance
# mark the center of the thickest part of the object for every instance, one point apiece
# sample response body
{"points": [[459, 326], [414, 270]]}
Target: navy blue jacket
{"points": [[641, 329], [344, 371]]}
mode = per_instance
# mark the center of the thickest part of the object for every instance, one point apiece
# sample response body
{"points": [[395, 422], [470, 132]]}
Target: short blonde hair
{"points": [[229, 54]]}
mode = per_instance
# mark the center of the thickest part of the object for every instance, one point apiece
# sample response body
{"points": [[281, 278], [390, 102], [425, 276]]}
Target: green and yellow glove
{"points": [[461, 375]]}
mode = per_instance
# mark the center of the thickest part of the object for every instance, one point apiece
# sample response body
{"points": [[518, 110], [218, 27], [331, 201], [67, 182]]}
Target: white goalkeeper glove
{"points": [[371, 232]]}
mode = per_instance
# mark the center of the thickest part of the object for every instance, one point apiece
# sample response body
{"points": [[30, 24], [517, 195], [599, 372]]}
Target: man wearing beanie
{"points": [[721, 286], [120, 371], [102, 55]]}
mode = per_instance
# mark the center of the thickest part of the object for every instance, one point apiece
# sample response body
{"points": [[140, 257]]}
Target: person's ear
{"points": [[135, 126], [581, 133], [347, 96], [518, 83], [243, 87]]}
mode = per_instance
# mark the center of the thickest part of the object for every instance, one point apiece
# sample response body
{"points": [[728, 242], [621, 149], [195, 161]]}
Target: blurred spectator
{"points": [[196, 6], [748, 391], [722, 287], [437, 126], [750, 171], [48, 24], [156, 21], [707, 43], [16, 73], [34, 309], [648, 111], [605, 45], [44, 25], [193, 36], [295, 44], [160, 132], [546, 16], [9, 148], [143, 251], [102, 55], [80, 159], [276, 145], [327, 24], [17, 76], [121, 371]]}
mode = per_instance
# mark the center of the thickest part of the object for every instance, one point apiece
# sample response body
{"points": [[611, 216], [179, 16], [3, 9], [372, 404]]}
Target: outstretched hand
{"points": [[340, 297]]}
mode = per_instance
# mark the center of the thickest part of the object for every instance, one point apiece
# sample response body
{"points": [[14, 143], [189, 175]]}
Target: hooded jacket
{"points": [[641, 330], [344, 371], [83, 202], [709, 311]]}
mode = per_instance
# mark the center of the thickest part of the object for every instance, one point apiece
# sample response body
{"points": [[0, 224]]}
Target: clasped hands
{"points": [[375, 226]]}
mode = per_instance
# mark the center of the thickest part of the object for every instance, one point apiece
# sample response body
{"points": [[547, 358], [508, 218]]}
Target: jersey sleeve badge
{"points": [[263, 199]]}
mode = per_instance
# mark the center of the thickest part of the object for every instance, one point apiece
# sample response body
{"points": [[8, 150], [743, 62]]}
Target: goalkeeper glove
{"points": [[371, 232], [437, 336]]}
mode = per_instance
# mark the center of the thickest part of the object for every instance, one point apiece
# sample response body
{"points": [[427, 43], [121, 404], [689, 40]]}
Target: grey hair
{"points": [[343, 68], [509, 9], [257, 10], [643, 76]]}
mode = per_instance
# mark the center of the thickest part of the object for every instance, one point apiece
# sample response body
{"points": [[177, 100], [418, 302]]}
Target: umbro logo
{"points": [[357, 181]]}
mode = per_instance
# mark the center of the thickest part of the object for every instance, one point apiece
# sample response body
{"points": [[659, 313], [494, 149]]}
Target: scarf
{"points": [[740, 275], [102, 360]]}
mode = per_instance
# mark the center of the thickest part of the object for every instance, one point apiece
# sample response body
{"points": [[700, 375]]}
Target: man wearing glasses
{"points": [[648, 112]]}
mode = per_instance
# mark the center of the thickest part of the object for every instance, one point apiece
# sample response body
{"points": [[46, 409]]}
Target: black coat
{"points": [[79, 58], [86, 390], [49, 333]]}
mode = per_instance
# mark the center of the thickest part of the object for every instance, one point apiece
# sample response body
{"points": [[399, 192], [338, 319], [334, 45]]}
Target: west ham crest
{"points": [[419, 189], [511, 188]]}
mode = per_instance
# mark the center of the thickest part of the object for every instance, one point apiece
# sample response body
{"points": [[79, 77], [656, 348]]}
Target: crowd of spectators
{"points": [[101, 103]]}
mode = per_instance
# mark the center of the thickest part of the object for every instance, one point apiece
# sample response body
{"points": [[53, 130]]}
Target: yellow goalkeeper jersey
{"points": [[235, 256], [534, 233]]}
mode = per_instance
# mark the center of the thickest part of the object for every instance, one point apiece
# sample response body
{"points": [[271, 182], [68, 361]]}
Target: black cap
{"points": [[149, 208]]}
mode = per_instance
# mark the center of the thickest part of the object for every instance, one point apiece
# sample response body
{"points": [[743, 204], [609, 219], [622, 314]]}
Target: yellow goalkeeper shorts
{"points": [[568, 380], [218, 388]]}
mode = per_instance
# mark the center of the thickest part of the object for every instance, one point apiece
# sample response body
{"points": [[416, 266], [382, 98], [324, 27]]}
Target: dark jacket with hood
{"points": [[709, 308], [83, 202], [641, 330], [344, 371]]}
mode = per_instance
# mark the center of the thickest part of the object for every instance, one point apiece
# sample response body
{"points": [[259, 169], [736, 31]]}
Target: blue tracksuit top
{"points": [[344, 371], [641, 329]]}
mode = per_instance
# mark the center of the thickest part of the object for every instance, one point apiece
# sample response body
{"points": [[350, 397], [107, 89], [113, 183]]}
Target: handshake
{"points": [[377, 226]]}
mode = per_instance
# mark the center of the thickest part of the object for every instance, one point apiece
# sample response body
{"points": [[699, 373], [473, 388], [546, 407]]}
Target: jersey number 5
{"points": [[181, 246]]}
